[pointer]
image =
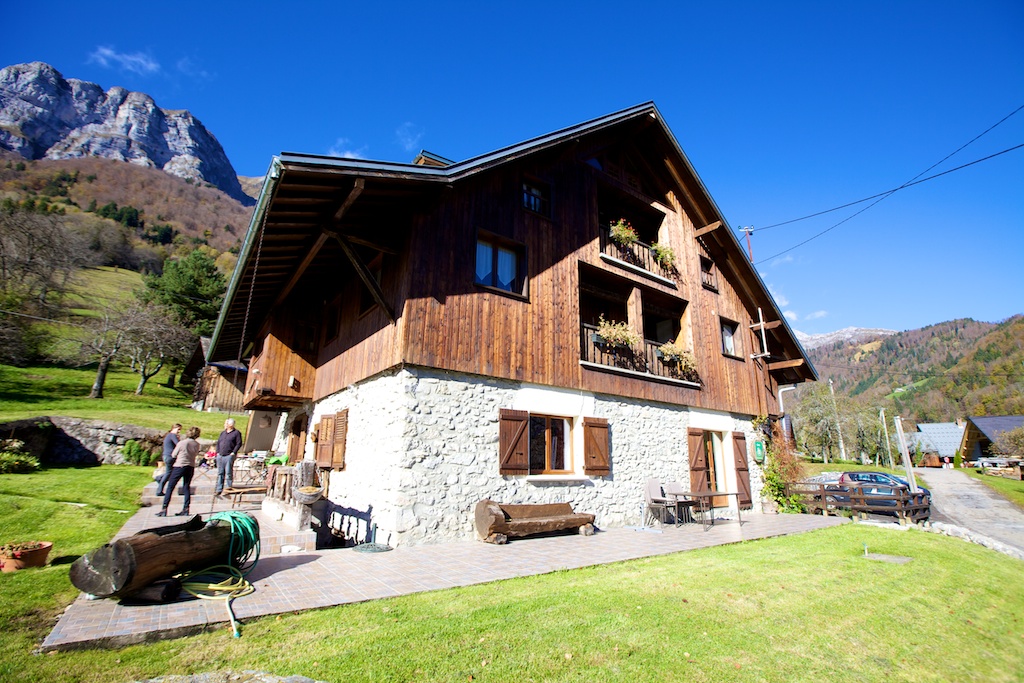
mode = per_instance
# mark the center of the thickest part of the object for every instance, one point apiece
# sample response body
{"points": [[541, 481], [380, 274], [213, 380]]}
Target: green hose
{"points": [[227, 581]]}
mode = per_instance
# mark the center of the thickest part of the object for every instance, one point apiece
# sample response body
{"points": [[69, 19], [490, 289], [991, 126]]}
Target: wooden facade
{"points": [[352, 267]]}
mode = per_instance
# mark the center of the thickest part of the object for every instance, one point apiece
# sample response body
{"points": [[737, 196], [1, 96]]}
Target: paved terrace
{"points": [[310, 579]]}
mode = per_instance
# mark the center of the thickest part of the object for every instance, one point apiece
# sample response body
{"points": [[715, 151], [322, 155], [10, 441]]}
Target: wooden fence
{"points": [[909, 507]]}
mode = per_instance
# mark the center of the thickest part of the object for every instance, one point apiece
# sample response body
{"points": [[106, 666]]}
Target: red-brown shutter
{"points": [[596, 452], [340, 437], [325, 442], [514, 442], [699, 469], [739, 451]]}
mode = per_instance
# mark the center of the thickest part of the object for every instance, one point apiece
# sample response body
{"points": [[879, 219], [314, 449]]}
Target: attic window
{"points": [[537, 197], [730, 342], [708, 278]]}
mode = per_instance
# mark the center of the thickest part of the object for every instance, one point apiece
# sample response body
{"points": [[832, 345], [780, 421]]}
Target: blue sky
{"points": [[785, 109]]}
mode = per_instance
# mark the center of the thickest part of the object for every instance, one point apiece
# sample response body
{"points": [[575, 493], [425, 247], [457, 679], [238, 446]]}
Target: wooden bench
{"points": [[496, 523], [236, 493]]}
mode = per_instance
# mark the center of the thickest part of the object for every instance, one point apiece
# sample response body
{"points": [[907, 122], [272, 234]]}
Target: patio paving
{"points": [[311, 579]]}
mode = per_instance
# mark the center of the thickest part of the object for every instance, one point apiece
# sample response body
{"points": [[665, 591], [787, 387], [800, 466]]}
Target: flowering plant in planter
{"points": [[622, 232], [664, 255], [14, 556], [684, 361], [16, 549], [616, 334]]}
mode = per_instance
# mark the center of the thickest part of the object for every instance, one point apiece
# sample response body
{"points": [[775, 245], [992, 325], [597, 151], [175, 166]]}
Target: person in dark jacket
{"points": [[170, 441], [184, 466], [228, 444]]}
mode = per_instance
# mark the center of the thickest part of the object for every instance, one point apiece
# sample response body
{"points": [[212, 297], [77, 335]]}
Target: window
{"points": [[534, 444], [550, 451], [729, 342], [500, 264], [707, 274], [536, 197]]}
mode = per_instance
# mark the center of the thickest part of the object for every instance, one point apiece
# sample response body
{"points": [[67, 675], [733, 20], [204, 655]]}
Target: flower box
{"points": [[15, 556]]}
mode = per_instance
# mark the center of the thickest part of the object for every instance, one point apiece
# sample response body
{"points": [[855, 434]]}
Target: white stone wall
{"points": [[422, 450]]}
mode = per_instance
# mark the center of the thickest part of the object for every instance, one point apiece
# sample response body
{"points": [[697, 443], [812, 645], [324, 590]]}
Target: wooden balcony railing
{"points": [[709, 279], [637, 254], [645, 360]]}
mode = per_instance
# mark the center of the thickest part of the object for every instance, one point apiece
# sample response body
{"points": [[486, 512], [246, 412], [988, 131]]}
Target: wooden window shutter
{"points": [[699, 468], [514, 442], [596, 451], [340, 437], [325, 443], [739, 451]]}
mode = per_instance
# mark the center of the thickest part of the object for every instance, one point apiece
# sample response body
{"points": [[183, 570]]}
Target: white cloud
{"points": [[191, 69], [779, 297], [781, 261], [138, 62], [815, 315], [791, 315], [408, 136], [341, 148]]}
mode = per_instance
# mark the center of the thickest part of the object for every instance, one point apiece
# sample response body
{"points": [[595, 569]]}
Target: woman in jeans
{"points": [[184, 465]]}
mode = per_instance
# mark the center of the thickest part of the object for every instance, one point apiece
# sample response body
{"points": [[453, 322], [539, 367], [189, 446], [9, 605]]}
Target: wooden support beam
{"points": [[357, 189], [708, 228], [783, 364], [768, 325], [364, 274], [355, 239]]}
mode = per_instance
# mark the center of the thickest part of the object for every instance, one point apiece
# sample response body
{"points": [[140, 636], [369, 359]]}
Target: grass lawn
{"points": [[806, 607], [1011, 489], [101, 286], [52, 390]]}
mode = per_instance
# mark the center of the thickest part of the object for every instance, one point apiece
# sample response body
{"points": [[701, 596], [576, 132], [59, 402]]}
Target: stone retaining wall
{"points": [[73, 441]]}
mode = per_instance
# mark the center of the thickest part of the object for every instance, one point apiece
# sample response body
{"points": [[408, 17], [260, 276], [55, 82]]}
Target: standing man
{"points": [[170, 441], [228, 443]]}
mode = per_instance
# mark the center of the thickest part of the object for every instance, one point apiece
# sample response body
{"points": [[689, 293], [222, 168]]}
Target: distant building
{"points": [[981, 432]]}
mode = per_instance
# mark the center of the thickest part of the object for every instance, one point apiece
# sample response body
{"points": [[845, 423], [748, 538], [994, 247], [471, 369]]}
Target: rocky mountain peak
{"points": [[847, 334], [44, 115]]}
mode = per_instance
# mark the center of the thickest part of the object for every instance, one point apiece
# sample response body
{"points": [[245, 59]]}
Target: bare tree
{"points": [[155, 340], [105, 337]]}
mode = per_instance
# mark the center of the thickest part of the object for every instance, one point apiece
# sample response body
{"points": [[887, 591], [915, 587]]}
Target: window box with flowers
{"points": [[623, 233], [682, 361], [15, 556], [618, 336], [663, 255]]}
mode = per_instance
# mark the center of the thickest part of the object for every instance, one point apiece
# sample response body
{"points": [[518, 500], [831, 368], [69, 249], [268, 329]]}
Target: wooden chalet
{"points": [[218, 386], [430, 331]]}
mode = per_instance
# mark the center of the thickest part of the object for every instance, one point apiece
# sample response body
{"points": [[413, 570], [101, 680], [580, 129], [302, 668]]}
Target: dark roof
{"points": [[302, 192], [992, 427]]}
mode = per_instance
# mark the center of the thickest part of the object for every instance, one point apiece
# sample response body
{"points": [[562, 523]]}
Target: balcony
{"points": [[637, 256], [644, 363]]}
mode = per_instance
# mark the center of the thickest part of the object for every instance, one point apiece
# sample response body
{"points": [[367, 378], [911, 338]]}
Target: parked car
{"points": [[872, 484]]}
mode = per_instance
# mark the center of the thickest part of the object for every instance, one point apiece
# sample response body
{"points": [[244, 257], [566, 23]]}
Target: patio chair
{"points": [[657, 503], [683, 508]]}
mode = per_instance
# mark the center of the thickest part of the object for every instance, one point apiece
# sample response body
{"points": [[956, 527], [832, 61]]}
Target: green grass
{"points": [[803, 608], [1012, 489], [52, 390], [95, 288]]}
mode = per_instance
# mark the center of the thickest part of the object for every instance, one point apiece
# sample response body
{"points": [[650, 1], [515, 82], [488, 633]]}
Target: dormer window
{"points": [[708, 278]]}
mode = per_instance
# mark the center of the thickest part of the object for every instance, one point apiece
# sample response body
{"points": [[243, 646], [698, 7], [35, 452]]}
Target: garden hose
{"points": [[227, 581]]}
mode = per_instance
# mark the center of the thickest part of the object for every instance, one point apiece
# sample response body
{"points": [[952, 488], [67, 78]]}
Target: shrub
{"points": [[17, 463], [135, 453]]}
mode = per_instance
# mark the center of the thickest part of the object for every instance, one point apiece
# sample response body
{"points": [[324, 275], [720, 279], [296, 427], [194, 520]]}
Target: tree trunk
{"points": [[101, 378], [145, 376], [170, 378], [128, 565]]}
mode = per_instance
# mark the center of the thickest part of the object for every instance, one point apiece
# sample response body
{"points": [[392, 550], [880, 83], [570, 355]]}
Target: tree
{"points": [[155, 339], [1010, 442], [105, 336], [192, 287]]}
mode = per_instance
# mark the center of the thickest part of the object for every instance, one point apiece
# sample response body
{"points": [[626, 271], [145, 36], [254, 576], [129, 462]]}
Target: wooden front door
{"points": [[297, 440]]}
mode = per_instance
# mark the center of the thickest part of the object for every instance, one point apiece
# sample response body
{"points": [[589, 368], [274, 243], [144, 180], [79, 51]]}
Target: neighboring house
{"points": [[428, 331], [219, 386], [980, 432]]}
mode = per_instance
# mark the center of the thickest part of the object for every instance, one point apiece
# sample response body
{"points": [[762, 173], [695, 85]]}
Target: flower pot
{"points": [[26, 558], [306, 497]]}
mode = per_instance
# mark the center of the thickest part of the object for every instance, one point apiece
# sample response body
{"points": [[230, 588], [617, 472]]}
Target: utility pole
{"points": [[750, 252], [839, 427], [888, 444], [905, 454]]}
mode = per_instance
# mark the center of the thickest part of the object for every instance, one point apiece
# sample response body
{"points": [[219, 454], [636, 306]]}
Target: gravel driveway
{"points": [[960, 500]]}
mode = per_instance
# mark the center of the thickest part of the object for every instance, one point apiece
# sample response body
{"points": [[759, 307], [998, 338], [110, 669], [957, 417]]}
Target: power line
{"points": [[912, 180], [36, 317], [881, 197]]}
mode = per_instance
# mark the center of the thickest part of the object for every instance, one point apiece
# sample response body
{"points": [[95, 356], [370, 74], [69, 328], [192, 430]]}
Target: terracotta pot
{"points": [[26, 558]]}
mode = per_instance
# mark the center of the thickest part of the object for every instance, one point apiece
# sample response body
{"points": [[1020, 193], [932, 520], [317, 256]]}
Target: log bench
{"points": [[496, 523]]}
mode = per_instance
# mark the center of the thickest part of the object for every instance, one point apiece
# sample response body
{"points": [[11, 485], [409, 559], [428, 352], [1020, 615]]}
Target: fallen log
{"points": [[128, 565]]}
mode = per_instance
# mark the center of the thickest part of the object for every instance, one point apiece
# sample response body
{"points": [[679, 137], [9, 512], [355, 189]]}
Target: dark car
{"points": [[872, 484]]}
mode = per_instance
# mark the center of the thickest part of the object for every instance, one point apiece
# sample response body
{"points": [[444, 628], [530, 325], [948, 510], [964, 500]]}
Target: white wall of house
{"points": [[422, 450]]}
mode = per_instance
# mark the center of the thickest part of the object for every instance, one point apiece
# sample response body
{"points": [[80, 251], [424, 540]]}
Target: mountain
{"points": [[845, 335], [46, 116], [933, 374]]}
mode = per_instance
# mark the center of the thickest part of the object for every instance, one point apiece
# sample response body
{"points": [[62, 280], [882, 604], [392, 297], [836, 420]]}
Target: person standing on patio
{"points": [[228, 443], [170, 441], [184, 466]]}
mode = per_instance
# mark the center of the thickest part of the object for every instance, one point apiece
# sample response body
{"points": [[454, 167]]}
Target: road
{"points": [[960, 500]]}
